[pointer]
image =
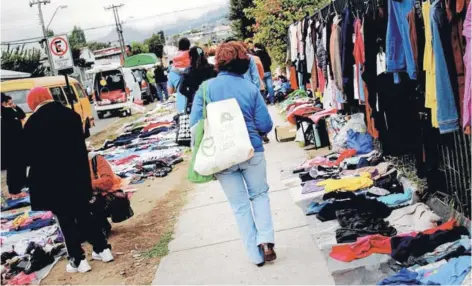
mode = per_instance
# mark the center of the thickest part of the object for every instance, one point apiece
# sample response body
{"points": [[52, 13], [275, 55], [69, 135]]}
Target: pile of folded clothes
{"points": [[31, 244], [369, 207], [144, 148]]}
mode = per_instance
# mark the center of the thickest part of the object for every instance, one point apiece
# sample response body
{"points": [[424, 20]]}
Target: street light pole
{"points": [[45, 35], [57, 9]]}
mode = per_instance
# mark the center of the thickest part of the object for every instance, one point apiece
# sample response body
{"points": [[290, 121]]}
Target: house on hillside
{"points": [[108, 55]]}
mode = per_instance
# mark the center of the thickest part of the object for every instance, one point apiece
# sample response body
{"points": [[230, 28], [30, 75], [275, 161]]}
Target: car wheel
{"points": [[100, 115]]}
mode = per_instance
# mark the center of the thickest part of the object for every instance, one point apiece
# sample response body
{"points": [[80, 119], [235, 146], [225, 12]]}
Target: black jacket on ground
{"points": [[59, 175], [192, 80]]}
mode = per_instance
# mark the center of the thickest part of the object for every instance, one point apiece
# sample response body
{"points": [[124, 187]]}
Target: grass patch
{"points": [[161, 249]]}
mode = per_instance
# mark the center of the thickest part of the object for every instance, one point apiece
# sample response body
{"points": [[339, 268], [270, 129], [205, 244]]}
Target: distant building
{"points": [[108, 55], [7, 74]]}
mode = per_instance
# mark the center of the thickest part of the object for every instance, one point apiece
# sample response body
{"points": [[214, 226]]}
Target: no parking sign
{"points": [[60, 52]]}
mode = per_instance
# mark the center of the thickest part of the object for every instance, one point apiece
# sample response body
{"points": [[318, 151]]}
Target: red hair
{"points": [[232, 57], [37, 96]]}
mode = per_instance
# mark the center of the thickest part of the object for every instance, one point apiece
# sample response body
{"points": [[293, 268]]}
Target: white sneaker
{"points": [[83, 267], [105, 255]]}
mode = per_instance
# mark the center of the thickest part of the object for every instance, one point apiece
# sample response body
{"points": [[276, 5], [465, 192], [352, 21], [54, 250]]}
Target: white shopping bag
{"points": [[226, 139]]}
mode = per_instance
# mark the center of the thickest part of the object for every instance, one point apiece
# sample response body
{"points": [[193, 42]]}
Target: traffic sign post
{"points": [[61, 56]]}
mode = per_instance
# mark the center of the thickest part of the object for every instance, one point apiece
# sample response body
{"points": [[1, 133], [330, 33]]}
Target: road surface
{"points": [[102, 124]]}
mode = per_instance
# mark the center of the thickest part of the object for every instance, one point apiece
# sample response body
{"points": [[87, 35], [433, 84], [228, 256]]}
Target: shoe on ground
{"points": [[83, 267], [105, 255]]}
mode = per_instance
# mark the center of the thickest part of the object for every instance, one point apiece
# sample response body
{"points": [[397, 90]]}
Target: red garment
{"points": [[321, 114], [155, 125], [182, 59], [321, 80], [125, 160], [22, 279], [363, 247], [300, 110], [293, 78]]}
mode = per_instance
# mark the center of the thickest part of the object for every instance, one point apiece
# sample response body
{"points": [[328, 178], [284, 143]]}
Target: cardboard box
{"points": [[285, 133]]}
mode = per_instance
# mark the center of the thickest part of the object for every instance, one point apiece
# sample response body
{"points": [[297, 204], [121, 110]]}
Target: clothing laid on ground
{"points": [[347, 184], [417, 217]]}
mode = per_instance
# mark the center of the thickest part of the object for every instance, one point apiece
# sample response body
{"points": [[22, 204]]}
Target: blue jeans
{"points": [[269, 85], [245, 186], [162, 89]]}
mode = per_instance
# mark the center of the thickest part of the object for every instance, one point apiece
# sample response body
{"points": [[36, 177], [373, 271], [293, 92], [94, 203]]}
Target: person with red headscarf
{"points": [[59, 176]]}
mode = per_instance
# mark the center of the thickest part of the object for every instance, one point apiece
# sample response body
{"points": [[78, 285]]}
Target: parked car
{"points": [[115, 88], [146, 91], [19, 89]]}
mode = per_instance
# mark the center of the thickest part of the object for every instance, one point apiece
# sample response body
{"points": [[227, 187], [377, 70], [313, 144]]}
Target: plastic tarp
{"points": [[141, 60]]}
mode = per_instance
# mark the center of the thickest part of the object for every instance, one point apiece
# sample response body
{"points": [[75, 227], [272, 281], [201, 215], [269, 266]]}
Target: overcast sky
{"points": [[19, 20]]}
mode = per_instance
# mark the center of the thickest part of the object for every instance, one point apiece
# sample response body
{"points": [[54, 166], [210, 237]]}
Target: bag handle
{"points": [[205, 87], [95, 166]]}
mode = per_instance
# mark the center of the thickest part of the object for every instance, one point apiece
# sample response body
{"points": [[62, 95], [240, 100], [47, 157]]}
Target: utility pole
{"points": [[45, 35], [119, 28]]}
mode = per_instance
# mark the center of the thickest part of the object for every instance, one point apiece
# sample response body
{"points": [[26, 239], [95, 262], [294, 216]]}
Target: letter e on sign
{"points": [[60, 53]]}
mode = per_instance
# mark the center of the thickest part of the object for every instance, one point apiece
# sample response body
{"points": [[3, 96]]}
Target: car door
{"points": [[132, 84], [77, 106], [84, 101]]}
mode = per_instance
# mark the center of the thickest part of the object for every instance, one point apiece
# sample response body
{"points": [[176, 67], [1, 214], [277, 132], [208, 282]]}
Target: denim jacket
{"points": [[229, 85]]}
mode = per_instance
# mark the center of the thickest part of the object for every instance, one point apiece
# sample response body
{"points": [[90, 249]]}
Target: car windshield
{"points": [[19, 98], [109, 81]]}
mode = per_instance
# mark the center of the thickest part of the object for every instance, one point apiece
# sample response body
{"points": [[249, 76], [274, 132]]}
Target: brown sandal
{"points": [[268, 250]]}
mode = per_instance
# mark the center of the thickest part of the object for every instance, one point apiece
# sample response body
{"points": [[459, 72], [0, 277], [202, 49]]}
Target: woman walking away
{"points": [[199, 71], [12, 143], [245, 184], [59, 176], [261, 52]]}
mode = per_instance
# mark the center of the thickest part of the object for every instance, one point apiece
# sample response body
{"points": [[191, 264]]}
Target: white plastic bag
{"points": [[356, 123], [226, 139]]}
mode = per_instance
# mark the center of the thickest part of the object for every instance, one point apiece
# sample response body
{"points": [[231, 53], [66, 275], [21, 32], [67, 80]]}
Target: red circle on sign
{"points": [[55, 49]]}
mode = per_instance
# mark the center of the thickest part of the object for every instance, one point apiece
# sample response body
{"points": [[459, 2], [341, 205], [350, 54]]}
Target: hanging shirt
{"points": [[309, 48], [335, 52], [467, 32], [381, 66], [292, 31], [429, 67]]}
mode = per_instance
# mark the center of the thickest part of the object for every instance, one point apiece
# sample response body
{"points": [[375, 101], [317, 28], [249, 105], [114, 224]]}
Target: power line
{"points": [[34, 39], [119, 28]]}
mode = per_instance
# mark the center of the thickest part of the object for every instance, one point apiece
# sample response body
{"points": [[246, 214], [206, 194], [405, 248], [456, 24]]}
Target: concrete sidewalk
{"points": [[207, 248]]}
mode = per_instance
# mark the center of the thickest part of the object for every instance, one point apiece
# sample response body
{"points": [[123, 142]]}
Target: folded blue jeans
{"points": [[245, 186]]}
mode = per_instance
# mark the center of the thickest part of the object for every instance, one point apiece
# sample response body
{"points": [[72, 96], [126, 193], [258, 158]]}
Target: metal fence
{"points": [[455, 163]]}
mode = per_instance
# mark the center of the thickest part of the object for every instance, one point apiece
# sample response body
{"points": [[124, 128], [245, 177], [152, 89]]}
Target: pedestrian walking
{"points": [[199, 71], [179, 66], [245, 184], [262, 53], [12, 146], [152, 82], [160, 75], [59, 176]]}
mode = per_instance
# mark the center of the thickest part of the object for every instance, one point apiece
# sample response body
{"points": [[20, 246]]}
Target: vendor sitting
{"points": [[103, 181]]}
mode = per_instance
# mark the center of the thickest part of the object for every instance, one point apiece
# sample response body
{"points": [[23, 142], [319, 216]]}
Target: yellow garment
{"points": [[429, 67], [347, 184], [17, 222]]}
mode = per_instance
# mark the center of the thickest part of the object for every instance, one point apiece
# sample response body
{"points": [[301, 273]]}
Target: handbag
{"points": [[225, 141], [192, 175], [116, 204]]}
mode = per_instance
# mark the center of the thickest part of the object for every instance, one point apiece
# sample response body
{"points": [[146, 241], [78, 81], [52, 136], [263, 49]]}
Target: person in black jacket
{"points": [[59, 176], [261, 52], [199, 71], [160, 75], [12, 139]]}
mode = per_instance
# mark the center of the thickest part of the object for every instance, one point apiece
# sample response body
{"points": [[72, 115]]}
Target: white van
{"points": [[115, 88]]}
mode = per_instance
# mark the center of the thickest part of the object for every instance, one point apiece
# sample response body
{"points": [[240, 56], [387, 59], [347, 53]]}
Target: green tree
{"points": [[97, 45], [77, 38], [49, 33], [23, 60], [240, 23], [138, 48], [156, 43], [272, 19]]}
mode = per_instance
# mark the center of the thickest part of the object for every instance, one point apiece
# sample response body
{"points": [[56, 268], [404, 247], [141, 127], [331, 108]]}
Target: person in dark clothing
{"points": [[200, 70], [12, 138], [261, 52], [160, 75], [59, 176]]}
